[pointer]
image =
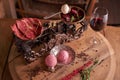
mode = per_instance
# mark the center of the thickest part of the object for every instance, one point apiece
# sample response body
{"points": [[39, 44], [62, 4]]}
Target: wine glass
{"points": [[98, 21]]}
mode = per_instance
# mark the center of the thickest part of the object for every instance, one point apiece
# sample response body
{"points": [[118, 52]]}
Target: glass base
{"points": [[93, 41]]}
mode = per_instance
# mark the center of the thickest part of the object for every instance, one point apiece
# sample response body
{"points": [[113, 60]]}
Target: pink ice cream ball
{"points": [[63, 56], [51, 60]]}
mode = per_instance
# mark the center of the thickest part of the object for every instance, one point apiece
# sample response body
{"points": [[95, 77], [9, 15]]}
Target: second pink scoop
{"points": [[63, 56]]}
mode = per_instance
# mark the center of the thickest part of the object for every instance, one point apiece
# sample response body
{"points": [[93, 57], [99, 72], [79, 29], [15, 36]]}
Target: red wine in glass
{"points": [[97, 24], [98, 21]]}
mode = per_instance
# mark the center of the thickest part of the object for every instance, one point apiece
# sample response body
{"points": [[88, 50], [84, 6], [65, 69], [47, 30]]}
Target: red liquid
{"points": [[97, 24]]}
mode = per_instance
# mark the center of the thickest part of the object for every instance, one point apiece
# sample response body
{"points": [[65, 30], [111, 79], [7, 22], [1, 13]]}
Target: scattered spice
{"points": [[83, 56], [34, 72], [96, 50]]}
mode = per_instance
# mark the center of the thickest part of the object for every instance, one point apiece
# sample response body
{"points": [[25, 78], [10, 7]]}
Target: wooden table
{"points": [[111, 33]]}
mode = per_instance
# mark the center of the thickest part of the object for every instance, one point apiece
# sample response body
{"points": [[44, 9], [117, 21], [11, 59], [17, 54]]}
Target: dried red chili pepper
{"points": [[75, 72]]}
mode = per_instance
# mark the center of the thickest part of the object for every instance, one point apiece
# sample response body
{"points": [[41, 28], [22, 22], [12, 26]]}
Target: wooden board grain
{"points": [[112, 33], [22, 71], [6, 74], [6, 37]]}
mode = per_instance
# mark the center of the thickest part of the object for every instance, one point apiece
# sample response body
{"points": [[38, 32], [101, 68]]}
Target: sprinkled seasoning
{"points": [[83, 56]]}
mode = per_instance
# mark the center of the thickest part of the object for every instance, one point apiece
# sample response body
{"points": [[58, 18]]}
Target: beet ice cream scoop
{"points": [[63, 56], [51, 61]]}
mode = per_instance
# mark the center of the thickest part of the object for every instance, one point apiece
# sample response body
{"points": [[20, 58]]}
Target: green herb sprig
{"points": [[85, 74]]}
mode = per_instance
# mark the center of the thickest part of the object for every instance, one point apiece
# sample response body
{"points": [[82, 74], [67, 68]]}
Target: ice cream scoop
{"points": [[65, 9], [51, 61], [63, 56]]}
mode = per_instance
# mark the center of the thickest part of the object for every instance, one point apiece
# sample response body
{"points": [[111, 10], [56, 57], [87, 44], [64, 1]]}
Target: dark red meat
{"points": [[27, 28]]}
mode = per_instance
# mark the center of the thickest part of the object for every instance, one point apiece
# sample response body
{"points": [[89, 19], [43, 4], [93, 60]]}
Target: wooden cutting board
{"points": [[38, 71]]}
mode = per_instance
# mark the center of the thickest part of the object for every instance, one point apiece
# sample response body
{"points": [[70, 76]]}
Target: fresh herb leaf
{"points": [[85, 74], [72, 18]]}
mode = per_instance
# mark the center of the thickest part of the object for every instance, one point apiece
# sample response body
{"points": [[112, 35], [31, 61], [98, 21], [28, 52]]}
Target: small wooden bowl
{"points": [[80, 17]]}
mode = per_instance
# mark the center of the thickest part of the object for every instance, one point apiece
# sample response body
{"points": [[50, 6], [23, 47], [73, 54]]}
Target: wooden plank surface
{"points": [[18, 67], [5, 42], [112, 33]]}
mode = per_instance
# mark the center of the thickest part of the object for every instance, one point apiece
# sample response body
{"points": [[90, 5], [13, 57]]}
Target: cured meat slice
{"points": [[18, 33], [29, 27], [25, 30]]}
